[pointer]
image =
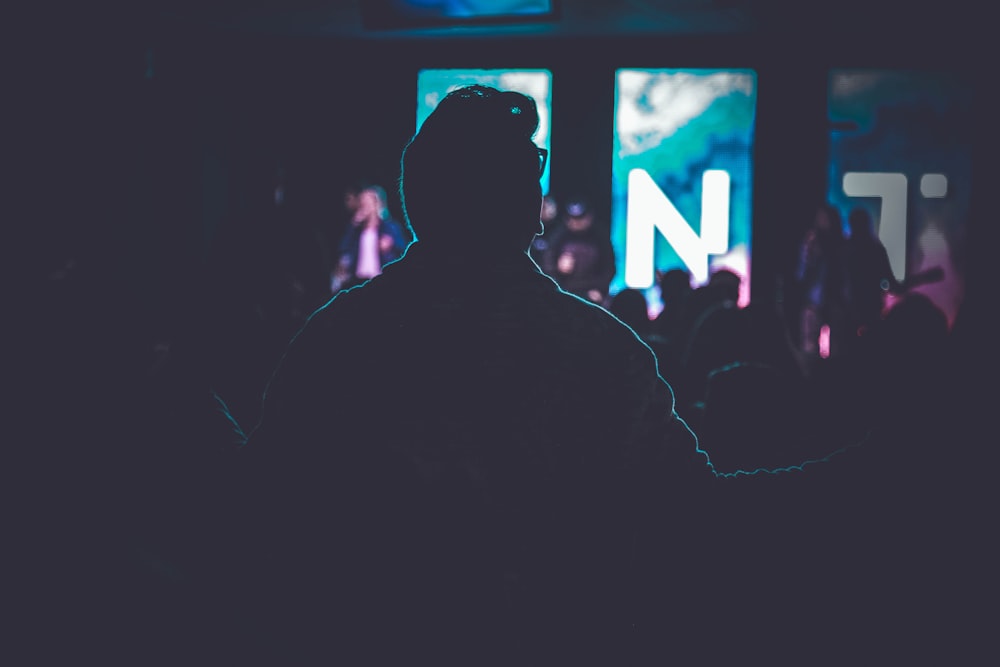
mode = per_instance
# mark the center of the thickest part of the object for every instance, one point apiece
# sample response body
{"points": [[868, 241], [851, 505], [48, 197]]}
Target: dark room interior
{"points": [[181, 171]]}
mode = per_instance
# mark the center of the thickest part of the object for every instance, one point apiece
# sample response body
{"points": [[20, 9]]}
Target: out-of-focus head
{"points": [[828, 219], [372, 200], [579, 215], [675, 283], [727, 283], [860, 223], [471, 174], [351, 196], [631, 307]]}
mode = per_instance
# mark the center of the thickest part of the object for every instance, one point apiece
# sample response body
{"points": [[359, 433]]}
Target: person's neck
{"points": [[471, 254]]}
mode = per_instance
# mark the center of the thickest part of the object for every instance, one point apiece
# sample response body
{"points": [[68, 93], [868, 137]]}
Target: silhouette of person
{"points": [[579, 254], [868, 273], [675, 286], [669, 327], [630, 306], [456, 453], [820, 282]]}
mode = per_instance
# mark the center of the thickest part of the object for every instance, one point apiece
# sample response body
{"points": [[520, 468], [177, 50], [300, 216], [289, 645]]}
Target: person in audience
{"points": [[630, 306], [459, 462], [820, 290], [722, 289], [669, 326], [675, 286], [458, 454], [867, 273], [579, 255], [372, 240]]}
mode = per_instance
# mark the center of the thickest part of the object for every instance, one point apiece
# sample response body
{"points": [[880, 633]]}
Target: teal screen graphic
{"points": [[682, 175]]}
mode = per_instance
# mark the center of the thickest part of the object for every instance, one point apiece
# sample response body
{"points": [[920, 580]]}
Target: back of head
{"points": [[470, 176], [860, 223], [726, 285], [629, 305], [675, 283]]}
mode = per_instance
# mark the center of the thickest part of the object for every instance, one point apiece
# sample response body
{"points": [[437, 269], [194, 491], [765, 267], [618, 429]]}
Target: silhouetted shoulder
{"points": [[509, 349]]}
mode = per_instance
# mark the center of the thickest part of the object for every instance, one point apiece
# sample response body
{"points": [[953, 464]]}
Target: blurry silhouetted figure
{"points": [[452, 470], [675, 286], [630, 306], [719, 337], [901, 361], [820, 286], [748, 389], [668, 328], [722, 289], [868, 273], [770, 340], [579, 255], [372, 240], [869, 276], [352, 197]]}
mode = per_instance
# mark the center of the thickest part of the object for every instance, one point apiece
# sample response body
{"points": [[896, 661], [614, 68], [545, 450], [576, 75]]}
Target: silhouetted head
{"points": [[726, 283], [470, 176], [827, 217], [371, 205], [675, 284], [630, 306], [352, 191], [915, 321], [860, 222]]}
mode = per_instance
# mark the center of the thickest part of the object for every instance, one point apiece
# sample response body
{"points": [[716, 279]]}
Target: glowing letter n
{"points": [[649, 211]]}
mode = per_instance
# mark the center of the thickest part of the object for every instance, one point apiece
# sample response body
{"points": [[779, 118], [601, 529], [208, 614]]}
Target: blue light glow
{"points": [[689, 130]]}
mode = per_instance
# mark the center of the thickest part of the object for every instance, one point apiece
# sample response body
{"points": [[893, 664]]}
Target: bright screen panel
{"points": [[682, 175], [901, 148]]}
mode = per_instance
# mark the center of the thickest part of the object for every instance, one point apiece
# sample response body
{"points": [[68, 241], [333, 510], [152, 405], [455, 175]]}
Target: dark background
{"points": [[147, 141], [158, 133], [164, 129]]}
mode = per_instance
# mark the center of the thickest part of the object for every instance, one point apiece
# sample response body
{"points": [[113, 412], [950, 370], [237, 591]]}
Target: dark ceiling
{"points": [[889, 19], [572, 18]]}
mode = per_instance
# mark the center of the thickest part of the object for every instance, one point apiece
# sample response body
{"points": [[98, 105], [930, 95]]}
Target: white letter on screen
{"points": [[649, 210]]}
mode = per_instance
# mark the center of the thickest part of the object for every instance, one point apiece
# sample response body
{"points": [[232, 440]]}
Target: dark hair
{"points": [[675, 282], [630, 306], [471, 171], [860, 222]]}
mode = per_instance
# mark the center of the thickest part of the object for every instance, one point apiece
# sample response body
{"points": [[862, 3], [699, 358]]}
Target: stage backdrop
{"points": [[682, 175]]}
